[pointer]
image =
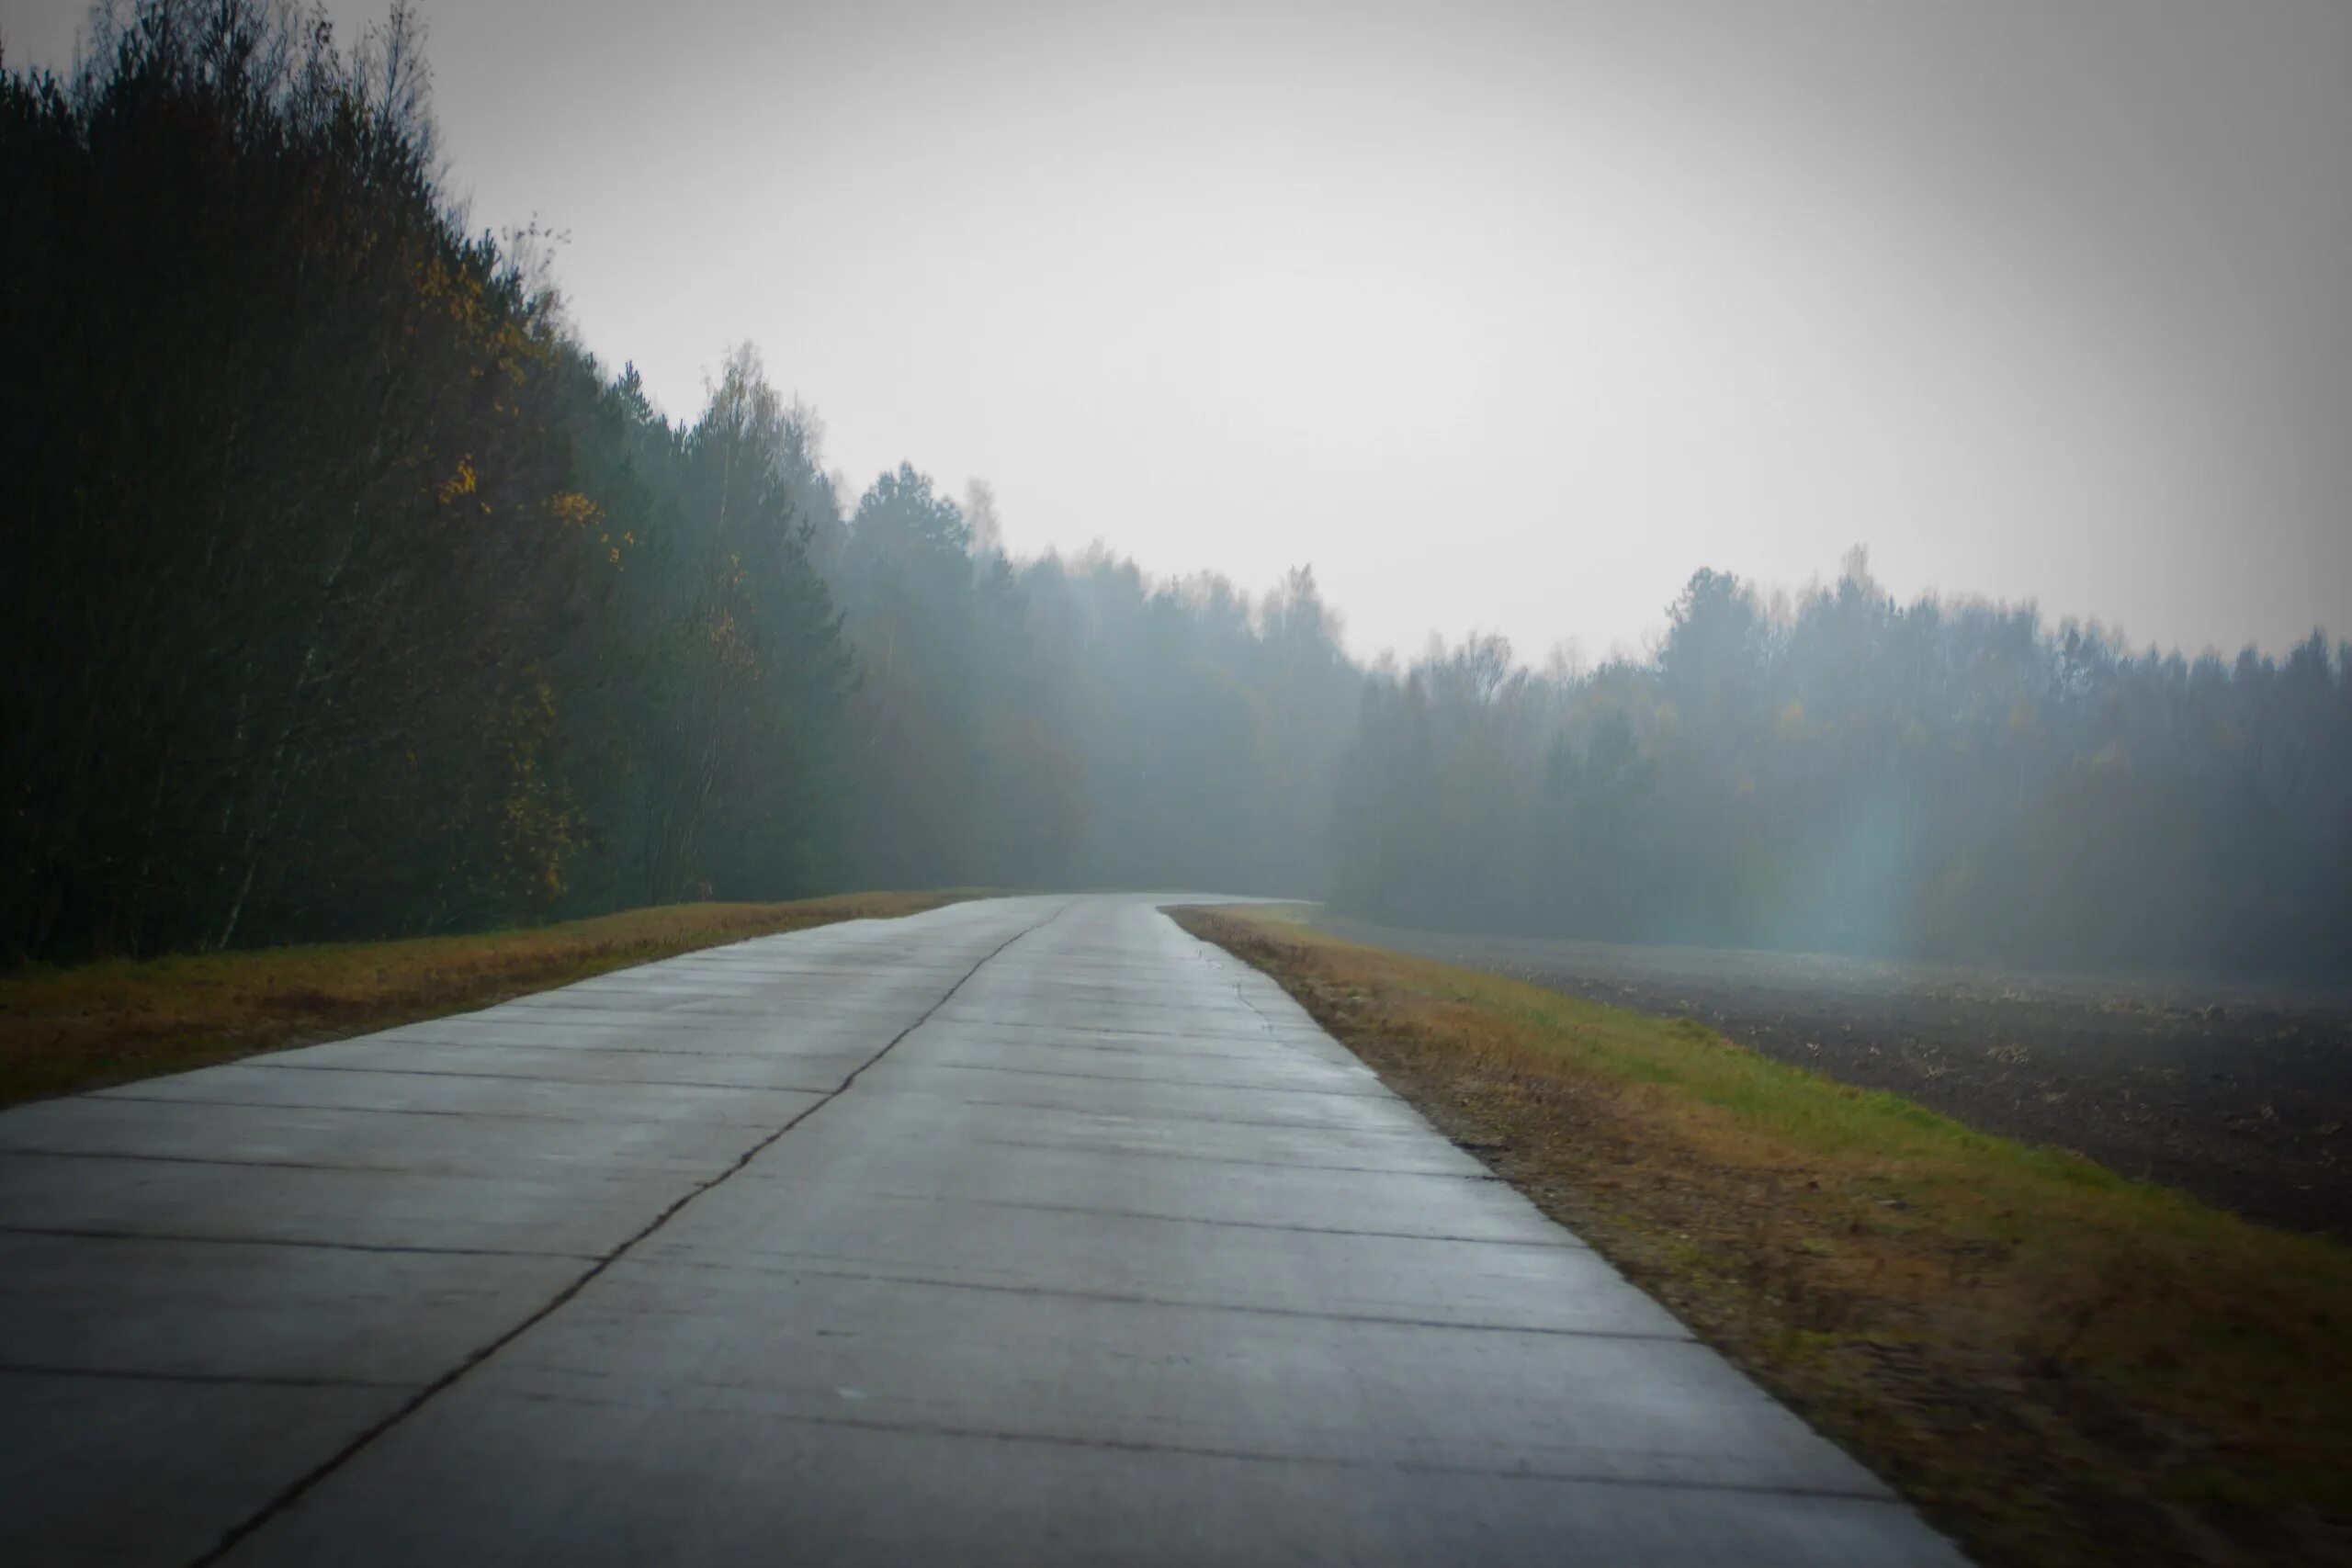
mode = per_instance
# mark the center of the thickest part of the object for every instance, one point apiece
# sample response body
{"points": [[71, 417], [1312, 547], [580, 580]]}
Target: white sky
{"points": [[1503, 317]]}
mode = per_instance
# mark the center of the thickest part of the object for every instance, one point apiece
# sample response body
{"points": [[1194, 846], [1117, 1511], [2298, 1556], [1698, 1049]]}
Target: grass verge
{"points": [[95, 1025], [2059, 1366]]}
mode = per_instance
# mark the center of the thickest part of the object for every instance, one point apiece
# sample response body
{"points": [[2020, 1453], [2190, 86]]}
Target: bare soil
{"points": [[2239, 1095]]}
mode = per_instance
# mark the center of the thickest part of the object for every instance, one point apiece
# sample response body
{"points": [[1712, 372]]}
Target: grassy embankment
{"points": [[64, 1030], [2059, 1365]]}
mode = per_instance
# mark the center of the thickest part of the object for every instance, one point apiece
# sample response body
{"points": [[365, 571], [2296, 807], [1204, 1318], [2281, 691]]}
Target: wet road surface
{"points": [[1024, 1231]]}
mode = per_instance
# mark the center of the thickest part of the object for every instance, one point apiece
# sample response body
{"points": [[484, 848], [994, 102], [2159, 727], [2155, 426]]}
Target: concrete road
{"points": [[1023, 1232]]}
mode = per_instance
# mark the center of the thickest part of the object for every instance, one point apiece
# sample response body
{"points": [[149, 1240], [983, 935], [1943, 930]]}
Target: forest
{"points": [[346, 595]]}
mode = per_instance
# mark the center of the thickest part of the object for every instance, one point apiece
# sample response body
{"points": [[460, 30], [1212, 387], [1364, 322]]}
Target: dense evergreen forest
{"points": [[344, 593]]}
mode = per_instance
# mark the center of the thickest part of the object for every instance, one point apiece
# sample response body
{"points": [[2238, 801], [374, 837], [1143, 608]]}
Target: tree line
{"points": [[344, 593], [1845, 772]]}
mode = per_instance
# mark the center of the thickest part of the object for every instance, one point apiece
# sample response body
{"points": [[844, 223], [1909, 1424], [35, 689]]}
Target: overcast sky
{"points": [[1504, 317]]}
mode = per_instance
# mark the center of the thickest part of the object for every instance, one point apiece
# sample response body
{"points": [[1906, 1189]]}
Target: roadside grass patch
{"points": [[95, 1024], [2058, 1364]]}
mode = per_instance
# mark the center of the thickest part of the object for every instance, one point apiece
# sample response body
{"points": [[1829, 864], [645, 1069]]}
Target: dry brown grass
{"points": [[2060, 1366], [66, 1030]]}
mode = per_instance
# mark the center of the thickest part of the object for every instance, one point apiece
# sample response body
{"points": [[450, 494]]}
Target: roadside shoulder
{"points": [[2057, 1365]]}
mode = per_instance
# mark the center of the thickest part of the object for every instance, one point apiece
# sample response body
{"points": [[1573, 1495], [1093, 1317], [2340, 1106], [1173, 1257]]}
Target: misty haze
{"points": [[1042, 782]]}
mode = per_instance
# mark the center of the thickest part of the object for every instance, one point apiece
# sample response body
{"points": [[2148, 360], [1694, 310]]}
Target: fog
{"points": [[527, 462], [1504, 318]]}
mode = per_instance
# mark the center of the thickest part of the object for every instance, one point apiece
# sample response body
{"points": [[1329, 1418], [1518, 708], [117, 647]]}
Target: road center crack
{"points": [[295, 1492]]}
